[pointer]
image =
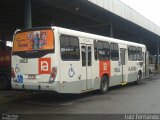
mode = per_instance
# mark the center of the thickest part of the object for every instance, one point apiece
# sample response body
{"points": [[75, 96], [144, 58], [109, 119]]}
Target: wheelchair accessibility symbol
{"points": [[71, 71], [20, 79]]}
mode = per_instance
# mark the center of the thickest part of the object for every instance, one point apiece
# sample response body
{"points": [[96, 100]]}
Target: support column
{"points": [[28, 14], [157, 52], [111, 31]]}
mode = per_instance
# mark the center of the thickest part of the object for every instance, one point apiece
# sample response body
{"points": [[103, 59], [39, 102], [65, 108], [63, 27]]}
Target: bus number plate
{"points": [[31, 77]]}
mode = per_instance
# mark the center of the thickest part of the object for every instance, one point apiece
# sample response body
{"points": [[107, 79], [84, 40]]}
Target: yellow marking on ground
{"points": [[123, 83]]}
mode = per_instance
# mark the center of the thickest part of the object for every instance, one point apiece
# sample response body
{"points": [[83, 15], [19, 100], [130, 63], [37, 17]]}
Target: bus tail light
{"points": [[13, 76], [53, 75]]}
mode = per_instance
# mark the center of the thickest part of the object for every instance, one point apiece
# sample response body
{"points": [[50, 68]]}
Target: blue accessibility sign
{"points": [[20, 79]]}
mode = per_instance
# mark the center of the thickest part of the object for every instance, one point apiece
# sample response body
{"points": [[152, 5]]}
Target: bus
{"points": [[68, 61]]}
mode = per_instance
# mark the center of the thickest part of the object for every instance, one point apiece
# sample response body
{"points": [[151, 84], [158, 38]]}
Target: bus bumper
{"points": [[37, 86]]}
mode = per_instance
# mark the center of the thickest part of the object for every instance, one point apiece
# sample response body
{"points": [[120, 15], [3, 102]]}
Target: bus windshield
{"points": [[37, 40]]}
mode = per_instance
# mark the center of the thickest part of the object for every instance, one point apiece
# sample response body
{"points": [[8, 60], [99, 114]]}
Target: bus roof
{"points": [[96, 37], [86, 35]]}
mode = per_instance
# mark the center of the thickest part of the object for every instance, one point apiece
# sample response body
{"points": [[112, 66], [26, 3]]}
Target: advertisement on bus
{"points": [[33, 40]]}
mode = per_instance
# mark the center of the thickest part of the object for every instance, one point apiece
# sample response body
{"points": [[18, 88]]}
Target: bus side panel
{"points": [[70, 82], [132, 71], [70, 73], [95, 75], [116, 75]]}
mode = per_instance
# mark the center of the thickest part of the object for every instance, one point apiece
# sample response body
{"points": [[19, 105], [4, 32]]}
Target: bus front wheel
{"points": [[104, 85]]}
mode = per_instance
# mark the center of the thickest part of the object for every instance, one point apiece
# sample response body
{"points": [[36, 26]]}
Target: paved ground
{"points": [[143, 98]]}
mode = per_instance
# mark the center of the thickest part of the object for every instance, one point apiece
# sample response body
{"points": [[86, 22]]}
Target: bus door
{"points": [[86, 75], [123, 65]]}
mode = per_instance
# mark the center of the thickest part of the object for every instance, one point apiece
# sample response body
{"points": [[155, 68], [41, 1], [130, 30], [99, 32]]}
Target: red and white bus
{"points": [[69, 61]]}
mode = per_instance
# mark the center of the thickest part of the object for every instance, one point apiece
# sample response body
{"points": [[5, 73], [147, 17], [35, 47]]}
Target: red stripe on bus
{"points": [[104, 67]]}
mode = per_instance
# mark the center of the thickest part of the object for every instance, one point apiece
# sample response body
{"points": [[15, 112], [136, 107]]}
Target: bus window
{"points": [[83, 50], [103, 50], [89, 56], [106, 49], [132, 53], [95, 49], [114, 51], [139, 53], [69, 47]]}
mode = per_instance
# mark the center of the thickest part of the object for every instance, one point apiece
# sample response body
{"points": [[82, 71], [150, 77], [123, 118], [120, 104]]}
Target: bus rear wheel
{"points": [[104, 85]]}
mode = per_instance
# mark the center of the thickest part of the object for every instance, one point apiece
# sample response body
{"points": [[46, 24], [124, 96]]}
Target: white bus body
{"points": [[69, 61]]}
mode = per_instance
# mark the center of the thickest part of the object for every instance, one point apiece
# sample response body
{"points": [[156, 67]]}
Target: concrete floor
{"points": [[142, 98]]}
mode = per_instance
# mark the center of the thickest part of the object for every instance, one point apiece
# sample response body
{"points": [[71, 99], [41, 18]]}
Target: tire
{"points": [[139, 77], [4, 83], [104, 85]]}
